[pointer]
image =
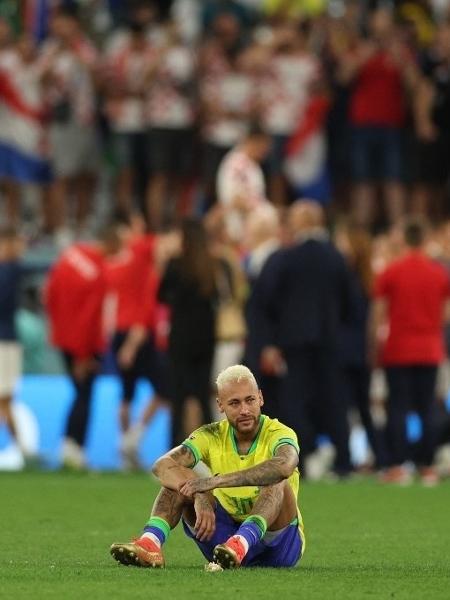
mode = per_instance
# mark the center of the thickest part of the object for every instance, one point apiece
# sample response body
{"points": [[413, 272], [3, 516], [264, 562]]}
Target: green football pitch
{"points": [[363, 541]]}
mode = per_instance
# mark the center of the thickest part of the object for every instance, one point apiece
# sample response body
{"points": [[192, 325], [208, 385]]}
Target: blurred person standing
{"points": [[432, 122], [170, 116], [24, 143], [74, 298], [123, 81], [188, 287], [290, 73], [240, 181], [262, 239], [303, 296], [10, 349], [227, 95], [410, 297], [231, 292], [380, 70], [355, 371], [131, 296], [70, 61]]}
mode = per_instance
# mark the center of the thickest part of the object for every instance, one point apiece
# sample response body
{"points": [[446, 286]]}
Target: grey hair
{"points": [[235, 374]]}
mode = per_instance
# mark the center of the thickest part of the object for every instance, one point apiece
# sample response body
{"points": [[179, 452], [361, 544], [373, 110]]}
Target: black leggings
{"points": [[411, 388], [78, 419]]}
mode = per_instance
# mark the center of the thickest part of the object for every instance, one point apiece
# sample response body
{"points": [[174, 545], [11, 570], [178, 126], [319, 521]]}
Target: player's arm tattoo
{"points": [[181, 456], [271, 471]]}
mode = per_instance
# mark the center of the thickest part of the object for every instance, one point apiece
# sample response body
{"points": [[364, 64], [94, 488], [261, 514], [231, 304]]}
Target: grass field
{"points": [[363, 541]]}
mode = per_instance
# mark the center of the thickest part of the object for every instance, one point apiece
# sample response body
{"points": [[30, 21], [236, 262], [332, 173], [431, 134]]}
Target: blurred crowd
{"points": [[137, 103], [222, 182]]}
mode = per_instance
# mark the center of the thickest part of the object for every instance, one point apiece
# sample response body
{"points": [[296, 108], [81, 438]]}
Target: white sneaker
{"points": [[129, 447], [72, 455]]}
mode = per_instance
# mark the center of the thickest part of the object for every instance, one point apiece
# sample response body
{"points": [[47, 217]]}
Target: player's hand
{"points": [[193, 486], [205, 523]]}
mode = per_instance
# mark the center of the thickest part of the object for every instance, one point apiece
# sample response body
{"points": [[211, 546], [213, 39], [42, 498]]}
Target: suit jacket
{"points": [[302, 296]]}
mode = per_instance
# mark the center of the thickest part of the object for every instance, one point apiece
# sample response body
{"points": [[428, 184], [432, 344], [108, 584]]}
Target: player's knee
{"points": [[176, 497]]}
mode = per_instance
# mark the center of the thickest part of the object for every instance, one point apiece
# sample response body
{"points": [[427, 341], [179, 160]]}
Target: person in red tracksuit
{"points": [[74, 297], [411, 298], [132, 283]]}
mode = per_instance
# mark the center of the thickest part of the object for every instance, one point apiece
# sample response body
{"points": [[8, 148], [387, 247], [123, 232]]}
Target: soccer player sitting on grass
{"points": [[246, 513]]}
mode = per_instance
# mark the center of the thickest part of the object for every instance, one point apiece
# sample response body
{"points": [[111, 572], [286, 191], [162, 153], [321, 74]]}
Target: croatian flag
{"points": [[305, 162], [24, 148], [35, 17]]}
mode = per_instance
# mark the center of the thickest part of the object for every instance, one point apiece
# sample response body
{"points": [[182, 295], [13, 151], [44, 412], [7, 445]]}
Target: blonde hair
{"points": [[235, 374]]}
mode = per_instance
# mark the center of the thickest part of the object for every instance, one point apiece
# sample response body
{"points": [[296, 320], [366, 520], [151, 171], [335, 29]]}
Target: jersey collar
{"points": [[254, 443]]}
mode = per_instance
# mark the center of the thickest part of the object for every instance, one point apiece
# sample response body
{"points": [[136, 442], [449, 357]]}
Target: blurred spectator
{"points": [[227, 95], [432, 111], [356, 246], [380, 69], [304, 293], [240, 181], [24, 144], [124, 76], [144, 16], [170, 117], [74, 297], [69, 59], [341, 37], [290, 74], [10, 349], [131, 288], [188, 286], [262, 239], [410, 297], [231, 292]]}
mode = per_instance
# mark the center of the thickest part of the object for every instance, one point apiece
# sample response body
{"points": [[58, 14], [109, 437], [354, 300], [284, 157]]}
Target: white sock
{"points": [[151, 536], [243, 542]]}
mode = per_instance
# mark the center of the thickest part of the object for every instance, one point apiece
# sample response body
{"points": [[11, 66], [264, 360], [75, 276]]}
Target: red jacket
{"points": [[415, 288], [132, 285], [74, 298]]}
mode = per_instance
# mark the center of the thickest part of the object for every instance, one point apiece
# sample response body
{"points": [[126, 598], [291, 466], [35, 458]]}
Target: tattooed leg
{"points": [[168, 506], [276, 503]]}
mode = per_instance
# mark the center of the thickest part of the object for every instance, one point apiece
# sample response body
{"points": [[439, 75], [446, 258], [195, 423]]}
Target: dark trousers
{"points": [[411, 388], [354, 388], [310, 404], [189, 378], [78, 419]]}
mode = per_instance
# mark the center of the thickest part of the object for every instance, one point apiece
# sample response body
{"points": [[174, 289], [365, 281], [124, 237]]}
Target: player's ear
{"points": [[219, 405], [261, 397]]}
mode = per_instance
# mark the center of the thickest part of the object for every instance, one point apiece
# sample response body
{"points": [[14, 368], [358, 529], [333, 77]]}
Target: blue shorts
{"points": [[284, 551], [376, 154]]}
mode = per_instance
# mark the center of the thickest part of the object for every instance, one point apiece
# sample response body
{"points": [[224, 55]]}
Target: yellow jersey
{"points": [[215, 445]]}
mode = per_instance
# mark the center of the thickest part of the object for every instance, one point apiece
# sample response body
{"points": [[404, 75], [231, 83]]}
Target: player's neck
{"points": [[248, 436]]}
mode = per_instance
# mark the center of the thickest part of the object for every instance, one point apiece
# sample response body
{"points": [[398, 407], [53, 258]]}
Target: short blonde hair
{"points": [[235, 374]]}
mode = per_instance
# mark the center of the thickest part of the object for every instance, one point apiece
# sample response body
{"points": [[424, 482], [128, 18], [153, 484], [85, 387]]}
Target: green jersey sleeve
{"points": [[198, 443], [280, 434]]}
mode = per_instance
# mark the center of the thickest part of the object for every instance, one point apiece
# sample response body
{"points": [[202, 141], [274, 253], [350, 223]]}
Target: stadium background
{"points": [[46, 391]]}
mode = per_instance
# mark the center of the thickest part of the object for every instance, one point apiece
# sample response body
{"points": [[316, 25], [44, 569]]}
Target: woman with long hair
{"points": [[188, 287]]}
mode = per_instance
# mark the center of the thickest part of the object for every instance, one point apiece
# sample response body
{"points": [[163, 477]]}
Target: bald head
{"points": [[305, 215], [262, 224]]}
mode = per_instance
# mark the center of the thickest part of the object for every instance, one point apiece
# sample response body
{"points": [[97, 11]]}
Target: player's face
{"points": [[241, 403]]}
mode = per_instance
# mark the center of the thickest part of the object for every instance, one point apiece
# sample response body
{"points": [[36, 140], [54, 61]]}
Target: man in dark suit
{"points": [[303, 295]]}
